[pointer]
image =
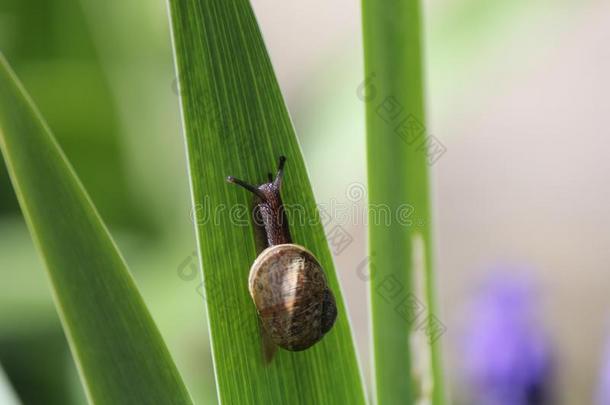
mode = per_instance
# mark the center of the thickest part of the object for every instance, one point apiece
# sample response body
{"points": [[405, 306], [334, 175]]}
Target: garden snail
{"points": [[286, 281]]}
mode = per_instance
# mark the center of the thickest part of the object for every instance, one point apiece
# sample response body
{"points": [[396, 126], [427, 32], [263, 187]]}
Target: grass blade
{"points": [[116, 345], [407, 367], [237, 124]]}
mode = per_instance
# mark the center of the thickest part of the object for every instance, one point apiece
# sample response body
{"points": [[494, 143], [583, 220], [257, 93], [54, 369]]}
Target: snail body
{"points": [[287, 283]]}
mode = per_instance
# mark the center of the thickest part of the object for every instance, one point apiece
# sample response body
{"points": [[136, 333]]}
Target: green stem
{"points": [[399, 153]]}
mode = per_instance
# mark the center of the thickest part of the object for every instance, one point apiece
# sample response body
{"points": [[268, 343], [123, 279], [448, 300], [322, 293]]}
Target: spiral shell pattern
{"points": [[291, 294]]}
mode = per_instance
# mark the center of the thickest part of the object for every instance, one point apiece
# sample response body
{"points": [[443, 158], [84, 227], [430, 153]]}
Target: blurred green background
{"points": [[517, 92]]}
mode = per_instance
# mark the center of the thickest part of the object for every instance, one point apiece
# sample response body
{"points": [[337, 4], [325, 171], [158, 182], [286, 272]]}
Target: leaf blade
{"points": [[236, 123], [118, 350], [407, 367]]}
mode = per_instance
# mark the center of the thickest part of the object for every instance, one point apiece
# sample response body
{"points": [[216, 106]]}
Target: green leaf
{"points": [[404, 314], [237, 124], [117, 347]]}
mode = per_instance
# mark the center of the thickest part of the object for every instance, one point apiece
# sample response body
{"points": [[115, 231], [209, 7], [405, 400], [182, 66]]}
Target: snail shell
{"points": [[292, 297]]}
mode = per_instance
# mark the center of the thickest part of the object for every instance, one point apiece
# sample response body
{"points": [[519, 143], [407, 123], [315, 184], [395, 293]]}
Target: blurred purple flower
{"points": [[507, 357], [603, 391]]}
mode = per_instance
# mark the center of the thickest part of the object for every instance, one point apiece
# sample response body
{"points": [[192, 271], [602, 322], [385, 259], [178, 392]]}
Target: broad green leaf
{"points": [[115, 343], [404, 315], [237, 124]]}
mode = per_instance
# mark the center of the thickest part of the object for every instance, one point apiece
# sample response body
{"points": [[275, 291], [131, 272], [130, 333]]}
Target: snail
{"points": [[287, 283]]}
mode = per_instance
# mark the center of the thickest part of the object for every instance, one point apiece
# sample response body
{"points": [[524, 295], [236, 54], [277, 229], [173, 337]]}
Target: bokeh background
{"points": [[516, 91]]}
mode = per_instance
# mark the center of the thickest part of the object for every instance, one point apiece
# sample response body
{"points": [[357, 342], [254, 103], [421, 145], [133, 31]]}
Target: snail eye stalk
{"points": [[253, 189], [280, 172], [256, 190]]}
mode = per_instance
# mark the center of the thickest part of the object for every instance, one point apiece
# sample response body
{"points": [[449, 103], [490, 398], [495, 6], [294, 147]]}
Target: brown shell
{"points": [[292, 297]]}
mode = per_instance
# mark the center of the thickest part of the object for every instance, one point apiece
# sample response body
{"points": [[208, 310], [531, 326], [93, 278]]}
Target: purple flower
{"points": [[507, 357], [603, 391]]}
